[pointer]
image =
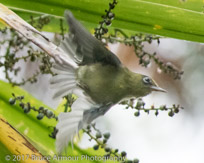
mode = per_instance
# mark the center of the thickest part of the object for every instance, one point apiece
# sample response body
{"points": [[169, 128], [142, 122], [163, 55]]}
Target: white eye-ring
{"points": [[147, 80]]}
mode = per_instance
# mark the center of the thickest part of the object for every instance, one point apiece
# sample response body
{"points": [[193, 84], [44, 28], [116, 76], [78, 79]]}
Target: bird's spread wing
{"points": [[70, 123], [87, 48], [84, 111]]}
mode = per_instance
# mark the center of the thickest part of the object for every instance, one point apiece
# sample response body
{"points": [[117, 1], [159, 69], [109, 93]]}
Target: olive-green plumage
{"points": [[109, 84]]}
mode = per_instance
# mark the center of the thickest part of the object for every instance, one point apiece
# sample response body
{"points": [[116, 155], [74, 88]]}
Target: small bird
{"points": [[99, 80], [86, 68]]}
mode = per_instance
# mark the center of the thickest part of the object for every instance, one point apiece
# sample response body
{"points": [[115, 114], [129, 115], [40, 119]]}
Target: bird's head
{"points": [[148, 85], [144, 85]]}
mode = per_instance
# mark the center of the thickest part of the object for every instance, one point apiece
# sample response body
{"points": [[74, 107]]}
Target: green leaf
{"points": [[27, 124], [172, 18]]}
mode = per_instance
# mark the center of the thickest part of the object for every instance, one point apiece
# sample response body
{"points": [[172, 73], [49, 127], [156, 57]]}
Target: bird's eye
{"points": [[147, 80]]}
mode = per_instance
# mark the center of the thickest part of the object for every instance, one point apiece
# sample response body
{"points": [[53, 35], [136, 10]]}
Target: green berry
{"points": [[146, 111], [111, 15], [176, 110], [49, 113], [107, 149], [12, 101], [108, 22], [123, 154], [137, 114], [98, 135], [40, 116], [116, 150], [95, 147], [171, 113], [41, 109], [106, 135], [104, 141], [156, 112], [26, 109], [32, 58]]}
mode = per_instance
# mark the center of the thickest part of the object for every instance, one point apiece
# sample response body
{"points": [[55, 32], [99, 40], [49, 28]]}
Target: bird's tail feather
{"points": [[65, 81]]}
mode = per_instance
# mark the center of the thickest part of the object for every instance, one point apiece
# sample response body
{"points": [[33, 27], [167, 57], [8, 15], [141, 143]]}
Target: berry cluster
{"points": [[15, 43], [101, 142], [140, 106], [42, 112], [107, 20]]}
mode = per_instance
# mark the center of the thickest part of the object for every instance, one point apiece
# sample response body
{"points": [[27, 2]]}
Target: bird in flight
{"points": [[85, 67]]}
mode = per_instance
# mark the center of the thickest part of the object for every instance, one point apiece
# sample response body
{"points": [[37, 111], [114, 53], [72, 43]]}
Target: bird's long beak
{"points": [[155, 88]]}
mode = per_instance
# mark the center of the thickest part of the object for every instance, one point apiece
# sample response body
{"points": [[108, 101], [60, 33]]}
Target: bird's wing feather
{"points": [[71, 122], [86, 47], [83, 113]]}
